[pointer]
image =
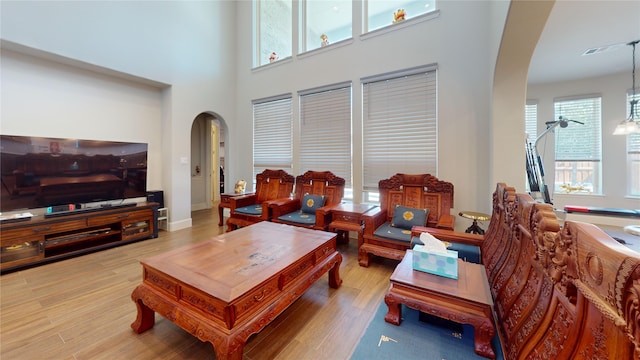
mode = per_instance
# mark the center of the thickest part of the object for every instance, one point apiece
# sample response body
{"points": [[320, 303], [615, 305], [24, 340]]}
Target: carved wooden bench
{"points": [[569, 292]]}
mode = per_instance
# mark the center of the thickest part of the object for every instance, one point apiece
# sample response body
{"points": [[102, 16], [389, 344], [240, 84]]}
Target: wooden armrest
{"points": [[449, 235], [446, 222], [240, 201], [373, 219], [283, 206]]}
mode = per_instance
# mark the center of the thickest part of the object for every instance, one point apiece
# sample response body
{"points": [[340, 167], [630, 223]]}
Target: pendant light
{"points": [[630, 125]]}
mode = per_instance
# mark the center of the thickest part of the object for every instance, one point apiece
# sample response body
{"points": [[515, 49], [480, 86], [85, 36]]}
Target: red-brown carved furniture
{"points": [[569, 292], [252, 208], [225, 289], [322, 183], [421, 191], [466, 300]]}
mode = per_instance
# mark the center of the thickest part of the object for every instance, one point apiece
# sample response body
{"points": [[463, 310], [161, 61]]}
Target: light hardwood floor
{"points": [[81, 308]]}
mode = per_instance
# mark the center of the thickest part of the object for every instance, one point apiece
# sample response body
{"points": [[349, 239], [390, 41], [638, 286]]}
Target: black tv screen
{"points": [[39, 172]]}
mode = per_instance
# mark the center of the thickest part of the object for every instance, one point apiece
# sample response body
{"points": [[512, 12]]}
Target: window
{"points": [[273, 30], [325, 131], [380, 13], [272, 134], [329, 18], [399, 126], [633, 155], [578, 148]]}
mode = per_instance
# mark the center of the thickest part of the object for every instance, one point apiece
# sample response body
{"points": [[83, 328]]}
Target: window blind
{"points": [[399, 126], [272, 135], [531, 120], [579, 142], [325, 131]]}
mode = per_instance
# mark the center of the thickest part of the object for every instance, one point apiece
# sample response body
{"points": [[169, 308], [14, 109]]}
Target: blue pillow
{"points": [[312, 202], [406, 217]]}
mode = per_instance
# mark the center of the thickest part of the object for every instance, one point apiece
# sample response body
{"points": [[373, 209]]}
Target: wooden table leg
{"points": [[395, 311], [221, 213], [146, 317]]}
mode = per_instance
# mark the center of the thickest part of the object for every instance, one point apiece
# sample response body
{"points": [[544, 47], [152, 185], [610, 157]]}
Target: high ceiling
{"points": [[576, 26]]}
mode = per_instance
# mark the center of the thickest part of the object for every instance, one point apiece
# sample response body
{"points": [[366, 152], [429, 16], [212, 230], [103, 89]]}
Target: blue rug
{"points": [[415, 339]]}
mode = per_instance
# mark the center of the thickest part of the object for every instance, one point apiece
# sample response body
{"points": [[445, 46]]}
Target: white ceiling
{"points": [[575, 26]]}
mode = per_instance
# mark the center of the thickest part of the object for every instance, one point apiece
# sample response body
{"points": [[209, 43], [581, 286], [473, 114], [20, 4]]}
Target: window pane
{"points": [[578, 147], [399, 127], [329, 17], [380, 12], [274, 24], [325, 132], [272, 135]]}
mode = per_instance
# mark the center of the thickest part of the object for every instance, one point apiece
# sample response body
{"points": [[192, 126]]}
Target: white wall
{"points": [[184, 45], [614, 168], [460, 41], [44, 98]]}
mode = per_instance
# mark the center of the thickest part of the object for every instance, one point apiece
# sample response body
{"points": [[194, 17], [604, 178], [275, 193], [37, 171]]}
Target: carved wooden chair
{"points": [[406, 200], [252, 208], [316, 193]]}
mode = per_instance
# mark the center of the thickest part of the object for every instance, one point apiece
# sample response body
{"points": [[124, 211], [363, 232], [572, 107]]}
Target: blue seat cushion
{"points": [[468, 253], [406, 217], [394, 233], [310, 203], [254, 210], [299, 217]]}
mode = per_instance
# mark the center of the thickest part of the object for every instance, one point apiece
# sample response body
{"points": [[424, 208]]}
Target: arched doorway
{"points": [[208, 132]]}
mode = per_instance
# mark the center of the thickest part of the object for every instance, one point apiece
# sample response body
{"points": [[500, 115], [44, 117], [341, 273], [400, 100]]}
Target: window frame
{"points": [[272, 150], [412, 129], [577, 108], [324, 130]]}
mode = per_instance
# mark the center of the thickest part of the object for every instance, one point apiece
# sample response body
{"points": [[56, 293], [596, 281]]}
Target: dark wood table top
{"points": [[471, 285], [233, 263]]}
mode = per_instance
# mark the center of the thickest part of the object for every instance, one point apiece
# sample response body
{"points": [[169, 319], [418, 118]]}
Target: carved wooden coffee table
{"points": [[466, 300], [225, 289]]}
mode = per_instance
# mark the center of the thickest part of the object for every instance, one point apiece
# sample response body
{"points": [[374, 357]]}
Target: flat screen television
{"points": [[53, 173]]}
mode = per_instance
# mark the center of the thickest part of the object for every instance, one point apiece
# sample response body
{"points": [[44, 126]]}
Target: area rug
{"points": [[416, 339]]}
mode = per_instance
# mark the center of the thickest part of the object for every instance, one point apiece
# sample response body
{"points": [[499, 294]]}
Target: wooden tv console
{"points": [[39, 239]]}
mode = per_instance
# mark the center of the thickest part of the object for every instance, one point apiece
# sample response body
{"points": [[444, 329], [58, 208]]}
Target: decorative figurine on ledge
{"points": [[398, 16], [325, 40], [273, 57], [240, 187]]}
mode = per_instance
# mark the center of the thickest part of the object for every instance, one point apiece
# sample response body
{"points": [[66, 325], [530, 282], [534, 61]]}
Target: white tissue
{"points": [[432, 244]]}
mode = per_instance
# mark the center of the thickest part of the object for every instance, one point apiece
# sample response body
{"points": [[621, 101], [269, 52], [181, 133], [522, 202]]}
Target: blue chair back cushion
{"points": [[468, 253], [312, 202], [394, 233], [299, 217], [406, 217], [255, 210]]}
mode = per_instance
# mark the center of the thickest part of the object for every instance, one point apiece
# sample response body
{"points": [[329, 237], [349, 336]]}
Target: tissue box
{"points": [[434, 263]]}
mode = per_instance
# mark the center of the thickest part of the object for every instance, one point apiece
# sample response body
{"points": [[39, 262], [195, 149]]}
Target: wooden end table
{"points": [[227, 288], [466, 300], [348, 217], [225, 202]]}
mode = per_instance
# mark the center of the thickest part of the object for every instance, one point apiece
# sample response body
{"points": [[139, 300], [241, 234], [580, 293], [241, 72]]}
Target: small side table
{"points": [[348, 217], [225, 202], [466, 300], [475, 216]]}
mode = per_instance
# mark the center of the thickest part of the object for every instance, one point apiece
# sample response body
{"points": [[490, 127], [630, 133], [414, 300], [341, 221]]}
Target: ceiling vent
{"points": [[601, 49]]}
